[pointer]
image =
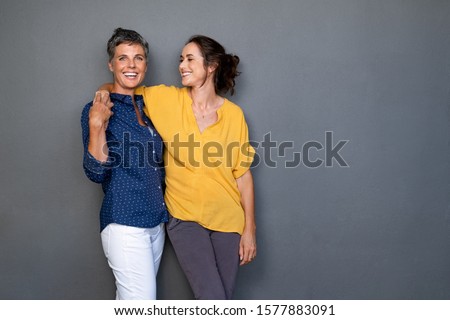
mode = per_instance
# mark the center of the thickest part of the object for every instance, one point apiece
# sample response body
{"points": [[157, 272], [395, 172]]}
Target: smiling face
{"points": [[192, 67], [128, 65]]}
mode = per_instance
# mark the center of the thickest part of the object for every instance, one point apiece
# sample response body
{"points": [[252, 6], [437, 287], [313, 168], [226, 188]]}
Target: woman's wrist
{"points": [[249, 227]]}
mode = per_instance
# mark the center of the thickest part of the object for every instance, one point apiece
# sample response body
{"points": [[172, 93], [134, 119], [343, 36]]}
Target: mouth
{"points": [[130, 75], [185, 74]]}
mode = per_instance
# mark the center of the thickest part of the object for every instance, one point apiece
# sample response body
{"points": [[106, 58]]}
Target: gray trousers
{"points": [[209, 259]]}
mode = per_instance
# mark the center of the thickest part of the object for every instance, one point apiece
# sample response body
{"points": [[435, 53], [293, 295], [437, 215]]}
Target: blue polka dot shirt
{"points": [[133, 176]]}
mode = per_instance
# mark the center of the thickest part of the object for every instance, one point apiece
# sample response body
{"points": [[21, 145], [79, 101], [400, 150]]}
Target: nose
{"points": [[131, 63], [182, 64]]}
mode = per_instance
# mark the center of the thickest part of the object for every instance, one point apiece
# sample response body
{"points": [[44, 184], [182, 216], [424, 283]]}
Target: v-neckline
{"points": [[192, 115]]}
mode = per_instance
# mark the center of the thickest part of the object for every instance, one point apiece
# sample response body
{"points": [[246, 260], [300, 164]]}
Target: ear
{"points": [[211, 68], [110, 66]]}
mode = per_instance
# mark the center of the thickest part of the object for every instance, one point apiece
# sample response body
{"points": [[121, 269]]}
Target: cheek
{"points": [[143, 66], [143, 72]]}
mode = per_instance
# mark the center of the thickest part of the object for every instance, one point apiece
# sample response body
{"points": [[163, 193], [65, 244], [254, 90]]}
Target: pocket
{"points": [[105, 236], [173, 222]]}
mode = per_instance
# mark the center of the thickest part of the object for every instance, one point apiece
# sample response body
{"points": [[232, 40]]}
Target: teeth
{"points": [[130, 74]]}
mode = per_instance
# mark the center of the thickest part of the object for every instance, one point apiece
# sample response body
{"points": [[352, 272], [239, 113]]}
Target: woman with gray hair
{"points": [[123, 152]]}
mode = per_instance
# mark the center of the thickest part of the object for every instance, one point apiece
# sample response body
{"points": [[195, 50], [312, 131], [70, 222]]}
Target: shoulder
{"points": [[232, 108], [86, 109], [157, 90], [85, 117]]}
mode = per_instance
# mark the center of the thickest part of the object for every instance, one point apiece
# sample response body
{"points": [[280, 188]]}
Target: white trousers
{"points": [[134, 255]]}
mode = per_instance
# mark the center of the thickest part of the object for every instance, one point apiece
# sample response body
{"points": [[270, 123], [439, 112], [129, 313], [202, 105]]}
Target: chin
{"points": [[185, 82]]}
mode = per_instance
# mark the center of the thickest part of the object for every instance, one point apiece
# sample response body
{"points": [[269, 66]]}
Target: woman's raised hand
{"points": [[100, 111]]}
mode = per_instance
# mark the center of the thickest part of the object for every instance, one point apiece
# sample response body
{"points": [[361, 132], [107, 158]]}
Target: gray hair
{"points": [[125, 36]]}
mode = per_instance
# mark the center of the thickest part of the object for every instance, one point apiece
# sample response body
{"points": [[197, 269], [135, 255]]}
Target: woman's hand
{"points": [[99, 115], [247, 246], [100, 111]]}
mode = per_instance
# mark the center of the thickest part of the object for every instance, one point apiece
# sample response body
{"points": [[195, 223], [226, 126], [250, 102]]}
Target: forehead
{"points": [[129, 49], [191, 48]]}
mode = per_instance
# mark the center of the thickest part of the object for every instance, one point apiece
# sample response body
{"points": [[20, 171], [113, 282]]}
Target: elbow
{"points": [[94, 177]]}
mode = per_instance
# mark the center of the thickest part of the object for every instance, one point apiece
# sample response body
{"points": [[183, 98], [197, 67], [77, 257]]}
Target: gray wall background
{"points": [[375, 73]]}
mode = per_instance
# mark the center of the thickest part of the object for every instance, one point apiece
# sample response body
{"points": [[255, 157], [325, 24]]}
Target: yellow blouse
{"points": [[201, 168]]}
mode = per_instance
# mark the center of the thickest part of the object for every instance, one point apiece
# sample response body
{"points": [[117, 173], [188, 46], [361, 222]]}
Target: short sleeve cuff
{"points": [[245, 163]]}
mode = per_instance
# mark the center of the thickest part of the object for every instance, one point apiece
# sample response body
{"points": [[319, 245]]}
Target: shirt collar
{"points": [[126, 99]]}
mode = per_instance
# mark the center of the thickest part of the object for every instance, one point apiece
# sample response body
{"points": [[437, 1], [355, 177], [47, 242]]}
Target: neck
{"points": [[120, 90], [203, 98], [126, 93]]}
